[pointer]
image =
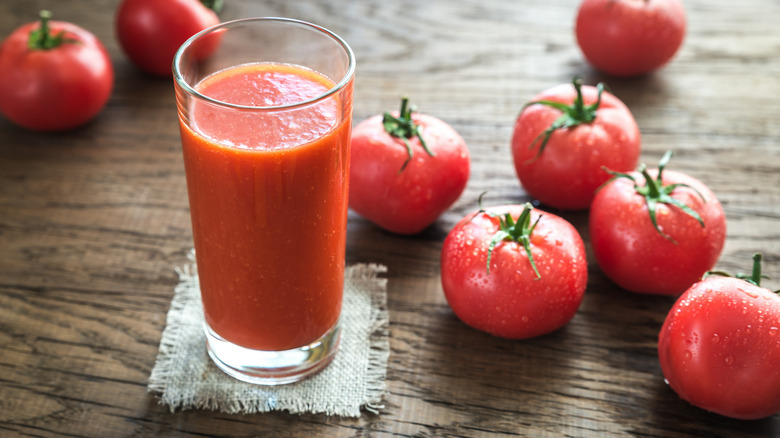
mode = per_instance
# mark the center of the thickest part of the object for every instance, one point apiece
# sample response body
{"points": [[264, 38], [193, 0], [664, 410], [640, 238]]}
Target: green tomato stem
{"points": [[403, 127], [655, 192], [754, 277], [42, 38], [519, 232], [571, 115], [214, 5]]}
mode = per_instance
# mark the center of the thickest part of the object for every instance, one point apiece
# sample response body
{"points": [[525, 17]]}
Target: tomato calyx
{"points": [[403, 127], [572, 115], [517, 231], [42, 38], [655, 192], [214, 5], [753, 278]]}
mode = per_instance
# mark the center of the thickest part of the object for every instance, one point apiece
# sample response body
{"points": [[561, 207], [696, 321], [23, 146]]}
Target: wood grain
{"points": [[93, 222]]}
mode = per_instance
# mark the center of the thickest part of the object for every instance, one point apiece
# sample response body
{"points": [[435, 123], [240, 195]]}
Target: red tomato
{"points": [[536, 277], [664, 259], [62, 80], [564, 138], [397, 181], [719, 347], [630, 37], [151, 31]]}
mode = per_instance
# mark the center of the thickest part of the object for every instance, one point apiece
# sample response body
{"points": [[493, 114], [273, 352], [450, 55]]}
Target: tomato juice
{"points": [[268, 194]]}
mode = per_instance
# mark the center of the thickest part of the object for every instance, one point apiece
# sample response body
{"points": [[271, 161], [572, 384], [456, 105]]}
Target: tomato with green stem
{"points": [[719, 347], [406, 169], [514, 271], [563, 139], [54, 75], [656, 231]]}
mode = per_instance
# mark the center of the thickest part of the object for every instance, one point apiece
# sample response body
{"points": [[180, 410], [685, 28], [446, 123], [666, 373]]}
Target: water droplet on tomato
{"points": [[729, 359], [773, 331], [715, 338], [688, 355], [751, 294]]}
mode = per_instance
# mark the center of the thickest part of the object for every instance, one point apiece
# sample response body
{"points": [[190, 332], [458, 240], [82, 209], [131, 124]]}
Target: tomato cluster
{"points": [[57, 76], [517, 272]]}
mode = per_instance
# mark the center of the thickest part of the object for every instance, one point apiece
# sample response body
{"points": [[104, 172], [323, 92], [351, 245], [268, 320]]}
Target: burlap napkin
{"points": [[185, 377]]}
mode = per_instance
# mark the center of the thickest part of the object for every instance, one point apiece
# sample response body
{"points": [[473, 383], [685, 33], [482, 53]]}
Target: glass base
{"points": [[272, 367]]}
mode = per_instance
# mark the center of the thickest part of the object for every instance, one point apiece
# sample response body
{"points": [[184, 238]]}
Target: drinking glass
{"points": [[265, 112]]}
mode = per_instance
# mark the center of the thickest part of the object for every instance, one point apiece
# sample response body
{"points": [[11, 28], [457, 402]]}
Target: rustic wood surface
{"points": [[93, 222]]}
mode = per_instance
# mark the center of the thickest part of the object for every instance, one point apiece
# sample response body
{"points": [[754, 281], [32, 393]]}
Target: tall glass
{"points": [[265, 112]]}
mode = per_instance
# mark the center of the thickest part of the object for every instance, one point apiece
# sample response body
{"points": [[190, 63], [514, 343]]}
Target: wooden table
{"points": [[93, 222]]}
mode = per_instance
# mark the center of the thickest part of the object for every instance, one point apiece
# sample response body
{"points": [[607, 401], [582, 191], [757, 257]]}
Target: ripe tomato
{"points": [[151, 31], [630, 37], [656, 231], [564, 138], [54, 75], [719, 347], [406, 169], [514, 272]]}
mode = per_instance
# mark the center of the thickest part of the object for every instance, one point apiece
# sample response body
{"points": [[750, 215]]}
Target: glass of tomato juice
{"points": [[265, 112]]}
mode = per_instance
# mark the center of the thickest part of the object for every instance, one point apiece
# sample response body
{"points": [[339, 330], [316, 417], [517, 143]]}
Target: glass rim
{"points": [[341, 84]]}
